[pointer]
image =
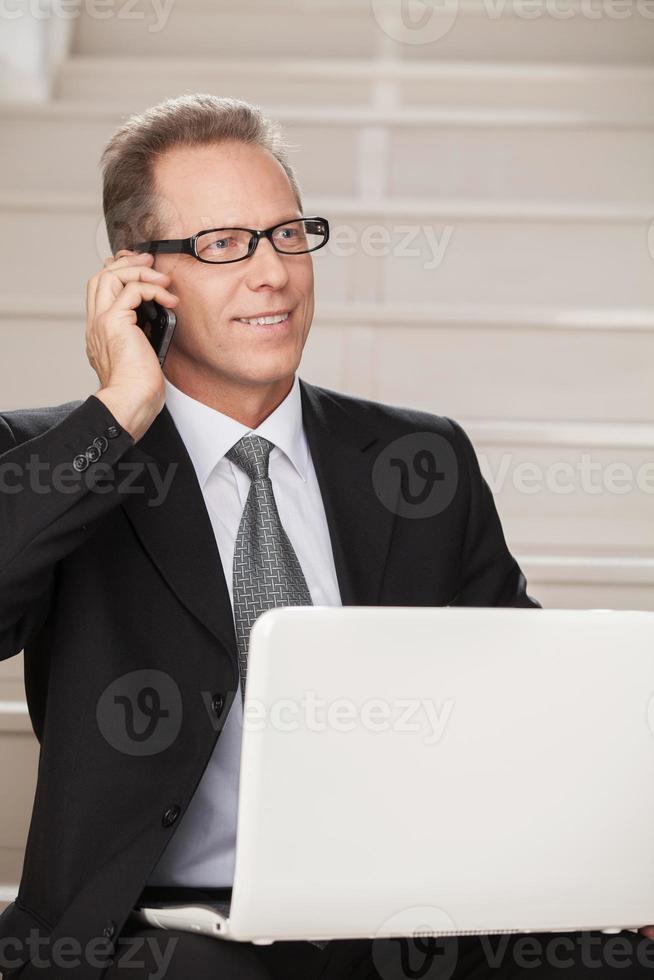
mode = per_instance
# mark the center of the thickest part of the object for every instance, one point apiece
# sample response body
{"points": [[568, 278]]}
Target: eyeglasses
{"points": [[224, 245]]}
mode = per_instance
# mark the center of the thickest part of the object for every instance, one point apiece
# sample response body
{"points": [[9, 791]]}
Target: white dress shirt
{"points": [[201, 851]]}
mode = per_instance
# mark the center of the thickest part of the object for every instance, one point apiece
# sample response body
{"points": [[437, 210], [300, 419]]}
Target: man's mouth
{"points": [[265, 321]]}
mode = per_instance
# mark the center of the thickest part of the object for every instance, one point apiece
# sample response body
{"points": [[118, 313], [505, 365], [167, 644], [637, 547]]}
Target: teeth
{"points": [[265, 319]]}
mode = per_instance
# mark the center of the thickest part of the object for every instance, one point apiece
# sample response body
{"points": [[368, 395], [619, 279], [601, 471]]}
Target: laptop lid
{"points": [[445, 770]]}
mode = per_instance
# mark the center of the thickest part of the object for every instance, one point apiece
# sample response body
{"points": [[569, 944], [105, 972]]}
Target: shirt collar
{"points": [[208, 433]]}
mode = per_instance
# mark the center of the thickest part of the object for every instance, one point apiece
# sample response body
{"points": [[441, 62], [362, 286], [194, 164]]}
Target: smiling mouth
{"points": [[265, 321]]}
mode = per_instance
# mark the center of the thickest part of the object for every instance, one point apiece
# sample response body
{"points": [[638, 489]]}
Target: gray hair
{"points": [[130, 200]]}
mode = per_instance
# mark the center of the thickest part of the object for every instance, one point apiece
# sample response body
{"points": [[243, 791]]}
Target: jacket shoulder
{"points": [[387, 418], [26, 423]]}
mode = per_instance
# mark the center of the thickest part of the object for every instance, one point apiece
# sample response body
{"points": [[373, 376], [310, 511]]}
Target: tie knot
{"points": [[251, 453]]}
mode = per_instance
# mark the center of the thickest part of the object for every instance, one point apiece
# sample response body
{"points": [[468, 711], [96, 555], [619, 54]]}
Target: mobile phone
{"points": [[158, 324]]}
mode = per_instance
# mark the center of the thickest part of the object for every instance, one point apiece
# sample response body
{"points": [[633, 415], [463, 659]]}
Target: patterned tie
{"points": [[266, 571]]}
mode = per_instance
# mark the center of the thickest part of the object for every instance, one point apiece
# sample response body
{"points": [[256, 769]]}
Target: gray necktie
{"points": [[266, 571]]}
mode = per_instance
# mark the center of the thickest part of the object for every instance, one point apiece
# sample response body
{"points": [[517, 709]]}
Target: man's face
{"points": [[222, 186]]}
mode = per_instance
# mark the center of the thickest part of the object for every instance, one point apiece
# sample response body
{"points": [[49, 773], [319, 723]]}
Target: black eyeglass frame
{"points": [[188, 246]]}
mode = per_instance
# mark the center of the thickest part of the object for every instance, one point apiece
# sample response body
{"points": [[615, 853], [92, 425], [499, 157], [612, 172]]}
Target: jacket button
{"points": [[170, 816], [112, 431], [109, 929], [217, 704], [80, 462], [101, 443], [92, 453]]}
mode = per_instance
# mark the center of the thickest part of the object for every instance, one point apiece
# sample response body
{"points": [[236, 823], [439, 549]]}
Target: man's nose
{"points": [[266, 266]]}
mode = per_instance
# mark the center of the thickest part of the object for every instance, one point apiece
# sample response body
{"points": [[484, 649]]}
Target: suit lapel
{"points": [[178, 536], [343, 449], [177, 533]]}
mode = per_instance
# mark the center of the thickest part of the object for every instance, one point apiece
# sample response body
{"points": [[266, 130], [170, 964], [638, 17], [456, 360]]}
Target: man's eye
{"points": [[288, 232], [220, 243]]}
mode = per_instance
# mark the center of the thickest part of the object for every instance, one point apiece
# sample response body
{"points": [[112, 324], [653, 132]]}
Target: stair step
{"points": [[591, 89], [590, 583], [427, 153], [488, 30]]}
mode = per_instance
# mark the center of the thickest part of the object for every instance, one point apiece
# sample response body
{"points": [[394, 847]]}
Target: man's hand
{"points": [[131, 379], [647, 931]]}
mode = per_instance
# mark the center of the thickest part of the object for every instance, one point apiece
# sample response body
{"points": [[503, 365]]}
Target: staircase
{"points": [[488, 172]]}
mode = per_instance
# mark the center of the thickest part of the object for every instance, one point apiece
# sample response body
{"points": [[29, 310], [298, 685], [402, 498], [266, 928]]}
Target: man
{"points": [[131, 576]]}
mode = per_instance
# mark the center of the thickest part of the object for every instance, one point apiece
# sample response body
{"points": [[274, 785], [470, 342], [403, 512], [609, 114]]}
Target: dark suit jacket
{"points": [[96, 584]]}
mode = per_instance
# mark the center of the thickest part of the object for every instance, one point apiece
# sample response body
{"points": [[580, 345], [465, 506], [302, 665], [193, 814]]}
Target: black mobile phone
{"points": [[158, 324]]}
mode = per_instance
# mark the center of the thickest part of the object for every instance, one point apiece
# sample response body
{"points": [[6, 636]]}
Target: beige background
{"points": [[509, 146]]}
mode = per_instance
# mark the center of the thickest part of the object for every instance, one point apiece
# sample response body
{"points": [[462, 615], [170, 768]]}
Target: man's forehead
{"points": [[187, 221], [249, 197]]}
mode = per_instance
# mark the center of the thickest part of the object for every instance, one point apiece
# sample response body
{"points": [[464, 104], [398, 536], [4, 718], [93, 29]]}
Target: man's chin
{"points": [[264, 375]]}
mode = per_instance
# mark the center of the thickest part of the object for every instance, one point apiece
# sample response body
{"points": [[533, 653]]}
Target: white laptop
{"points": [[441, 771]]}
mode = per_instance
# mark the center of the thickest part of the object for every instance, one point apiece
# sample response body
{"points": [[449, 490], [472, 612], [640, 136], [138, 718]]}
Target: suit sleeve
{"points": [[489, 574], [47, 508]]}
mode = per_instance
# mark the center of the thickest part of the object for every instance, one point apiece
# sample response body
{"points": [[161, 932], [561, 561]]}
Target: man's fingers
{"points": [[136, 292], [139, 259], [124, 253], [106, 288], [647, 931]]}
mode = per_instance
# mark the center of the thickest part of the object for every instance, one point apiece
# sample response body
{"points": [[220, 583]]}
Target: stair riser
{"points": [[584, 165]]}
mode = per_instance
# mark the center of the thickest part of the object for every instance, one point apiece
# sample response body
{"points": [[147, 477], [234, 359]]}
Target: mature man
{"points": [[141, 571]]}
